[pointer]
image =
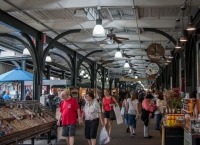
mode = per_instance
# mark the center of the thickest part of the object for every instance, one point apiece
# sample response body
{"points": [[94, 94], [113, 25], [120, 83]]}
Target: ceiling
{"points": [[127, 18]]}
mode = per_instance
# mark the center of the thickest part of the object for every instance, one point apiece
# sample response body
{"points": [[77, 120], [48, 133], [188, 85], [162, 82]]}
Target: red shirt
{"points": [[107, 102], [69, 108]]}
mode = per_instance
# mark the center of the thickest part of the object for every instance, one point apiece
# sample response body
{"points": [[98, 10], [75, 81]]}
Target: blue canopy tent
{"points": [[16, 75]]}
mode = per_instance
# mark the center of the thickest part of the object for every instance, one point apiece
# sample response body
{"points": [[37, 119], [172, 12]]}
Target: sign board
{"points": [[152, 69], [50, 82], [132, 79], [155, 52], [114, 72]]}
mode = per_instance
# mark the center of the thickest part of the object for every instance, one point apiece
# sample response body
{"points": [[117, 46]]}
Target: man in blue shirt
{"points": [[6, 95]]}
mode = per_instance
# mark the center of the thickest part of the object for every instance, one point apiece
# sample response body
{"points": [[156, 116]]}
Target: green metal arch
{"points": [[162, 33], [55, 39], [81, 61]]}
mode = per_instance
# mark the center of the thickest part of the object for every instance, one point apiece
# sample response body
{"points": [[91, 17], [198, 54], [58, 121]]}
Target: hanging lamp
{"points": [[191, 26], [118, 54], [48, 59], [126, 65], [98, 30], [171, 55], [183, 37], [178, 46], [26, 52]]}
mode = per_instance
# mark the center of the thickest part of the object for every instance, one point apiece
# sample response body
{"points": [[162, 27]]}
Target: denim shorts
{"points": [[132, 121], [69, 130]]}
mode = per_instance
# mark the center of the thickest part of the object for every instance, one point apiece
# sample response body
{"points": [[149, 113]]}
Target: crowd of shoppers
{"points": [[135, 104]]}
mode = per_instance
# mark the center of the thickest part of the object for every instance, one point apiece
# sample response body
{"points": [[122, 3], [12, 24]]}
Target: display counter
{"points": [[23, 120], [177, 130], [172, 135]]}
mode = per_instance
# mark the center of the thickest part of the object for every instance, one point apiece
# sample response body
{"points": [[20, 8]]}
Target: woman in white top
{"points": [[158, 113], [132, 110], [125, 115]]}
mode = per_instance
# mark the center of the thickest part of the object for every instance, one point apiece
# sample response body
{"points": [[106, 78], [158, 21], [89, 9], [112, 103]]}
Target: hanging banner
{"points": [[155, 52], [114, 72], [152, 69]]}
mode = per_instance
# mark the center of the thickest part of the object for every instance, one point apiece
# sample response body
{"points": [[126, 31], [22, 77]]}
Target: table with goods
{"points": [[181, 127], [23, 120]]}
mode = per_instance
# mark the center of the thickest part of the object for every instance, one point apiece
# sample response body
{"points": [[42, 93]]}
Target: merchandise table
{"points": [[24, 120]]}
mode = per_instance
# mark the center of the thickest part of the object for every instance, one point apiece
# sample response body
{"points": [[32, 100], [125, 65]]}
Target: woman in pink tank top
{"points": [[107, 106]]}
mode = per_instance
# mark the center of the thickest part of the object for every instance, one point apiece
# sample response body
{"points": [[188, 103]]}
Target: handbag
{"points": [[112, 114]]}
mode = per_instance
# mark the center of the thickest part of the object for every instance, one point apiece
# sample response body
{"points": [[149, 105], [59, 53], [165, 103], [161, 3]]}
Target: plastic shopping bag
{"points": [[118, 114], [104, 138], [122, 111]]}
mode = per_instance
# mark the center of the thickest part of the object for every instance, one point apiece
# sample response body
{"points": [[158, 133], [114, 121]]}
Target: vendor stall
{"points": [[180, 127], [23, 120]]}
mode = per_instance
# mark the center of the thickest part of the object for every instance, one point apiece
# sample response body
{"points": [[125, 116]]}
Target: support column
{"points": [[63, 75], [48, 77], [74, 79], [115, 83], [37, 81], [93, 75], [110, 85], [23, 66], [125, 85], [103, 81]]}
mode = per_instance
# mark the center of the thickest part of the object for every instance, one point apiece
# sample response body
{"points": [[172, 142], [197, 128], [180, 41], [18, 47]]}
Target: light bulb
{"points": [[26, 52], [48, 59], [99, 31], [118, 54], [82, 71], [126, 65]]}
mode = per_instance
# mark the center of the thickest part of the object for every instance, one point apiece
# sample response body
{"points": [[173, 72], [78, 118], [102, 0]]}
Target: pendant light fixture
{"points": [[166, 63], [82, 71], [191, 26], [98, 30], [126, 65], [26, 52], [118, 54], [136, 77], [48, 59], [183, 37], [171, 55], [178, 46]]}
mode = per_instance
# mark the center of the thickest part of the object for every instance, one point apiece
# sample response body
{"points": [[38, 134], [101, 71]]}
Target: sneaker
{"points": [[133, 134]]}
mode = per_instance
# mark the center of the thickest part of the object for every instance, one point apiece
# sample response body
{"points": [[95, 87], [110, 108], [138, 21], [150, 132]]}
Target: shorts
{"points": [[69, 130], [91, 128], [106, 114], [132, 121]]}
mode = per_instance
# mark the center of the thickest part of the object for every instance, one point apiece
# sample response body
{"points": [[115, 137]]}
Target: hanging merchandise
{"points": [[155, 52], [152, 68]]}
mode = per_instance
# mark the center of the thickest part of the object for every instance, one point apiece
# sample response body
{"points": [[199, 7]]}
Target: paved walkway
{"points": [[119, 136]]}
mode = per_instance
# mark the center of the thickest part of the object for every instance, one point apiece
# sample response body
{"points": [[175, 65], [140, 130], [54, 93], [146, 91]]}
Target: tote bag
{"points": [[118, 114]]}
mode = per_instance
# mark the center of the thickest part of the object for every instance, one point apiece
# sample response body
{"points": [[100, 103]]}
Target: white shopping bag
{"points": [[104, 137], [118, 114]]}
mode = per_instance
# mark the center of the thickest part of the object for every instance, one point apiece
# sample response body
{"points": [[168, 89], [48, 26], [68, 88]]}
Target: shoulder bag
{"points": [[112, 113]]}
